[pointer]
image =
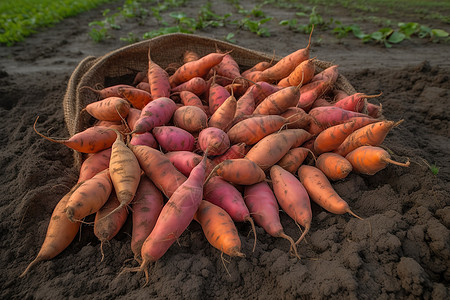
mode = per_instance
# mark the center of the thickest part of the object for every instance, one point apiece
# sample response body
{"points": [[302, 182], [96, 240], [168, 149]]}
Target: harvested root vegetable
{"points": [[369, 160], [320, 191], [334, 166], [263, 205], [146, 207], [60, 232], [219, 228], [292, 197], [108, 220], [238, 171]]}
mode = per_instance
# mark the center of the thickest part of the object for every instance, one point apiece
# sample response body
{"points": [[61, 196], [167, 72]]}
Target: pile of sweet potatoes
{"points": [[205, 140]]}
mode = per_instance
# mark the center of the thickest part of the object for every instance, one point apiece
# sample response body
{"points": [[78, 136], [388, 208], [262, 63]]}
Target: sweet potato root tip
{"points": [[310, 35], [46, 137], [101, 251], [398, 123], [35, 261], [353, 214], [249, 219], [307, 227], [237, 253], [291, 241], [388, 160], [97, 92]]}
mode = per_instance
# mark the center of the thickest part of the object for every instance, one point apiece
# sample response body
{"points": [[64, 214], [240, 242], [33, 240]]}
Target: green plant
{"points": [[134, 9], [255, 26], [256, 11], [21, 18], [98, 33], [314, 19], [207, 18], [130, 38], [184, 25], [230, 38], [99, 29], [433, 167], [386, 35]]}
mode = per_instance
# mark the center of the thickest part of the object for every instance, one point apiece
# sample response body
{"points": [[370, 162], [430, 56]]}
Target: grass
{"points": [[20, 18], [433, 167], [421, 7]]}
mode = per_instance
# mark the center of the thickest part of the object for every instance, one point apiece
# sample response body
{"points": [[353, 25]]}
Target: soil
{"points": [[400, 250]]}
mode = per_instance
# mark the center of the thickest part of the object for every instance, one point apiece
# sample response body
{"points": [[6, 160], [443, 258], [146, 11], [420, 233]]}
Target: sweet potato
{"points": [[334, 166], [94, 164], [91, 140], [263, 206], [252, 130], [196, 68], [238, 171], [146, 207], [109, 220], [158, 80], [292, 197], [214, 141], [217, 95], [60, 232], [109, 109], [185, 161], [219, 228], [173, 138], [158, 169], [139, 98], [225, 195], [224, 114], [273, 147], [125, 173], [369, 135], [145, 139], [235, 151], [278, 102], [196, 85], [292, 160], [175, 217], [369, 160], [156, 113], [320, 191], [190, 118], [286, 65], [89, 197]]}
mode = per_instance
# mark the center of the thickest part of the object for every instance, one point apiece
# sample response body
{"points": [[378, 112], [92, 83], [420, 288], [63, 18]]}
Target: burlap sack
{"points": [[125, 62]]}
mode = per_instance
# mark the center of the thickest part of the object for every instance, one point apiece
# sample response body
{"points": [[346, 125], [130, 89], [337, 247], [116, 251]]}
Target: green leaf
{"points": [[265, 20], [357, 32], [377, 35], [396, 37], [386, 31], [439, 33], [366, 38], [230, 38], [301, 14], [424, 31], [409, 28], [177, 15]]}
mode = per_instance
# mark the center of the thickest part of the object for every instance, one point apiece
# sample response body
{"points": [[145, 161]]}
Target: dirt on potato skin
{"points": [[399, 250]]}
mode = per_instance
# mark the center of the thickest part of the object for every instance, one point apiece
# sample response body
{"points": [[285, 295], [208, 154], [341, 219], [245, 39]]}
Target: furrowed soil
{"points": [[400, 250]]}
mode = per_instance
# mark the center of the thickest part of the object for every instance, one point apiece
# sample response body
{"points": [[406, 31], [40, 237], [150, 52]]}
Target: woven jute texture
{"points": [[127, 61]]}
